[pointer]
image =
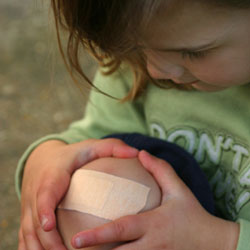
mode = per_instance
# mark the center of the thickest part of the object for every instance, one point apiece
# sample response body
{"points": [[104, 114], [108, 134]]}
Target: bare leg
{"points": [[71, 222]]}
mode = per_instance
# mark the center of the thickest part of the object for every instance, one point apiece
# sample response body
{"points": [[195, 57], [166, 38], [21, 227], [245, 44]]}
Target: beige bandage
{"points": [[104, 195]]}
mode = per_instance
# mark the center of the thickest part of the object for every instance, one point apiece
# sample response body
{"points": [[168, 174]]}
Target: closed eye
{"points": [[193, 54]]}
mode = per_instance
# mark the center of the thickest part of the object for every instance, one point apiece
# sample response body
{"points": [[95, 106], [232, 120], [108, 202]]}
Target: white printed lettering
{"points": [[245, 179], [206, 146], [189, 137], [240, 152], [242, 200], [157, 131]]}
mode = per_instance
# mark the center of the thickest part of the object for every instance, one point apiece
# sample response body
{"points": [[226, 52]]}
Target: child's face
{"points": [[224, 61]]}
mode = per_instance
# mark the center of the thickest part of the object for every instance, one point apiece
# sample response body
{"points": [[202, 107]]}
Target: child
{"points": [[203, 48], [72, 219]]}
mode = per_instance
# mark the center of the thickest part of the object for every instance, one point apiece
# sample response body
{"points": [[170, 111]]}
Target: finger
{"points": [[48, 196], [32, 243], [51, 240], [124, 229], [164, 174], [30, 239], [89, 150], [114, 147], [21, 243]]}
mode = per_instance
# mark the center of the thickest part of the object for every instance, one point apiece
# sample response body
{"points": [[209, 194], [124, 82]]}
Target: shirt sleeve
{"points": [[104, 115]]}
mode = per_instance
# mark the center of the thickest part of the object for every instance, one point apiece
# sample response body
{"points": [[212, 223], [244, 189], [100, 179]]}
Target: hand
{"points": [[46, 178], [180, 223]]}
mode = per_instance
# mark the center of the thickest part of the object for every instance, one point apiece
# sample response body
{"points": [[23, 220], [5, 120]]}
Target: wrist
{"points": [[49, 144], [223, 235], [44, 148], [232, 237]]}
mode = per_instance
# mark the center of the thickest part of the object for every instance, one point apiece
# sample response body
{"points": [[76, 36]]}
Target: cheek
{"points": [[224, 72], [160, 67], [155, 72], [154, 63]]}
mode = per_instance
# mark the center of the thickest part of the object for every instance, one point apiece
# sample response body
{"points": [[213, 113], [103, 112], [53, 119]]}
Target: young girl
{"points": [[200, 49]]}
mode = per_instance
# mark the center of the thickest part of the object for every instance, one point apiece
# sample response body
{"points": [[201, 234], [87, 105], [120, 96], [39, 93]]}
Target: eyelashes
{"points": [[193, 54]]}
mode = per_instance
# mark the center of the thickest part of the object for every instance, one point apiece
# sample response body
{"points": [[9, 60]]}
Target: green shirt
{"points": [[213, 127]]}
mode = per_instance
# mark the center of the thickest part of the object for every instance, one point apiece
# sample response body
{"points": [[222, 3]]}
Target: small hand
{"points": [[180, 223], [46, 178]]}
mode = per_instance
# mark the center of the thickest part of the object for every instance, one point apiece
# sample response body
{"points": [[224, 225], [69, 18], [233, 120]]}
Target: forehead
{"points": [[186, 22]]}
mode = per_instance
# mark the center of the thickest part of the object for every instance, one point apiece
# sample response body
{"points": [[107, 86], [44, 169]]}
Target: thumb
{"points": [[164, 174]]}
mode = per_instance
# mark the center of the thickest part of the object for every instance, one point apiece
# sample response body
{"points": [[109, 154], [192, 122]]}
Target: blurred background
{"points": [[37, 97]]}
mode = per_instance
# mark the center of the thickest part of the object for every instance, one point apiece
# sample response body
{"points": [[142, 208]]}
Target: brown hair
{"points": [[109, 30], [97, 25]]}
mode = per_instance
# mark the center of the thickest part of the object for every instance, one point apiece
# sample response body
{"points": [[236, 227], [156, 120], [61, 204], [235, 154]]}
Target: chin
{"points": [[208, 88]]}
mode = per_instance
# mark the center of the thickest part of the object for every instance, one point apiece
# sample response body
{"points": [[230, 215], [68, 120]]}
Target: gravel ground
{"points": [[36, 96]]}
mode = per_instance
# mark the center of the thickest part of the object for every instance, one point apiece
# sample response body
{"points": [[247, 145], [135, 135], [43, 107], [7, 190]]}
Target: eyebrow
{"points": [[191, 48]]}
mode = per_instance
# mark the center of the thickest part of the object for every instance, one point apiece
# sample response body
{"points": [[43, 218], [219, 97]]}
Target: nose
{"points": [[167, 71]]}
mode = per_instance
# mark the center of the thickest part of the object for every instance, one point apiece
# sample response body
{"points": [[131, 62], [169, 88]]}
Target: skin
{"points": [[189, 24]]}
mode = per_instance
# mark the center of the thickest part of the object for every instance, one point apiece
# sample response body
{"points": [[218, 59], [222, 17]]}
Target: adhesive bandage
{"points": [[104, 195]]}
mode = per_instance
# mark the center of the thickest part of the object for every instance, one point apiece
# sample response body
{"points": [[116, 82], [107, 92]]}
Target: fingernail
{"points": [[44, 221], [145, 153], [78, 242], [134, 150]]}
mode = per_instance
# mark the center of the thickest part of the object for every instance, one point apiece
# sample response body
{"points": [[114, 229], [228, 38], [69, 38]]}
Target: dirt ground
{"points": [[36, 96]]}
